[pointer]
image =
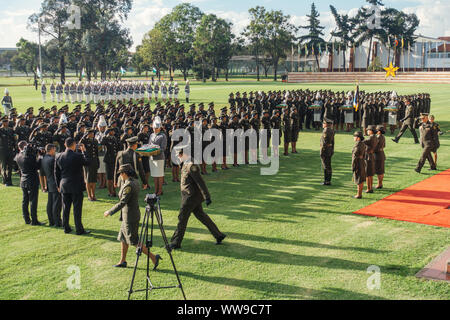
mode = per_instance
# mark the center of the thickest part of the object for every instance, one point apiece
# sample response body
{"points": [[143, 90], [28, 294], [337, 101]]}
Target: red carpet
{"points": [[426, 202]]}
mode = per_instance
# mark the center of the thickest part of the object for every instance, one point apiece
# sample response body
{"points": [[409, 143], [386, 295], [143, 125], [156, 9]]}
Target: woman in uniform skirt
{"points": [[286, 130], [380, 157], [130, 216], [371, 143], [358, 163], [223, 128], [295, 128]]}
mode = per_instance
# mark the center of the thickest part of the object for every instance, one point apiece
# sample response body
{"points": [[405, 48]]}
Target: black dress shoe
{"points": [[417, 170], [396, 141], [83, 233], [379, 187], [36, 223], [27, 221], [356, 197], [368, 191], [220, 239], [121, 265], [157, 257], [67, 230], [326, 183]]}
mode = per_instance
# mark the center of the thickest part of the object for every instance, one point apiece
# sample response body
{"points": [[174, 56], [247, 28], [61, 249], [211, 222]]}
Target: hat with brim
{"points": [[359, 134], [125, 168], [372, 128], [380, 129], [132, 140]]}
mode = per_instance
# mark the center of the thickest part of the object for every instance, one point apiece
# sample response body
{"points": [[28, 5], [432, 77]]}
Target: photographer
{"points": [[28, 162], [130, 215]]}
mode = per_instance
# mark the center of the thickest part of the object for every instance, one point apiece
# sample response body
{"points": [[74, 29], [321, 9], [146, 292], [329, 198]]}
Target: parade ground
{"points": [[289, 237]]}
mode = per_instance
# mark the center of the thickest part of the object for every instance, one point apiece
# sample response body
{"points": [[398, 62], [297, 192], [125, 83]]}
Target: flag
{"points": [[83, 73], [122, 70], [356, 99], [38, 72], [154, 70], [403, 43]]}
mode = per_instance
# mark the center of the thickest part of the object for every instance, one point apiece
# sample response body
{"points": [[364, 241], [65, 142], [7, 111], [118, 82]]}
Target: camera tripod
{"points": [[151, 210]]}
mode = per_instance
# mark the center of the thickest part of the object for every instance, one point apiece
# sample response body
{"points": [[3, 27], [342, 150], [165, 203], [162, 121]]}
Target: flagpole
{"points": [[40, 54]]}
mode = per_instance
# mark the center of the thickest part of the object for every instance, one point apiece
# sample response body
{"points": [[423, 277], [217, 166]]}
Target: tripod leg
{"points": [[169, 251], [143, 231]]}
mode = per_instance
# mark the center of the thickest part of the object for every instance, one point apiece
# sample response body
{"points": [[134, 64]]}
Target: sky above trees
{"points": [[433, 14]]}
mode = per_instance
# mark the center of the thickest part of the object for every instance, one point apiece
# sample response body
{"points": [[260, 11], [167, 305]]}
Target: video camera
{"points": [[33, 150], [151, 199]]}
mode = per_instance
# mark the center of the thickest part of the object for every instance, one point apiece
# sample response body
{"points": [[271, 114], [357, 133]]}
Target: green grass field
{"points": [[288, 237]]}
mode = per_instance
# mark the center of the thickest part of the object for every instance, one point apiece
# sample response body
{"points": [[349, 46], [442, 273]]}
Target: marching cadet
{"points": [[87, 92], [124, 92], [73, 91], [130, 91], [7, 151], [95, 92], [327, 150], [130, 216], [380, 157], [7, 103], [255, 124], [187, 90], [170, 91], [156, 90], [103, 92], [80, 90], [436, 133], [408, 122], [176, 91], [163, 91], [131, 157], [371, 144], [193, 192], [59, 92], [52, 91], [223, 127], [149, 91], [426, 141], [44, 92], [101, 173], [67, 92], [358, 163]]}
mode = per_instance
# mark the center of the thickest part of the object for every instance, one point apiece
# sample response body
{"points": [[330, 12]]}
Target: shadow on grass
{"points": [[276, 289]]}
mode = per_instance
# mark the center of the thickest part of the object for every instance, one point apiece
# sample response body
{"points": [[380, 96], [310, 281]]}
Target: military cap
{"points": [[5, 118], [380, 128], [132, 140], [372, 128], [423, 115], [359, 134], [327, 121], [125, 168]]}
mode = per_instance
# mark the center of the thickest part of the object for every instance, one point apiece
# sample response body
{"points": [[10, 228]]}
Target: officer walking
{"points": [[193, 193], [130, 216], [7, 151], [408, 123], [426, 140]]}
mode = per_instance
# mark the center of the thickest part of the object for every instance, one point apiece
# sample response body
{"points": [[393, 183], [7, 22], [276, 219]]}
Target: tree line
{"points": [[189, 40]]}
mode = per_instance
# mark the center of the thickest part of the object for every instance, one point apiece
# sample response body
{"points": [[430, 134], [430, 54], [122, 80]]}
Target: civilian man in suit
{"points": [[28, 162], [69, 178], [54, 203]]}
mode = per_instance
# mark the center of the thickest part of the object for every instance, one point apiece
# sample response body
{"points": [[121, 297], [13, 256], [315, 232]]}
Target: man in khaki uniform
{"points": [[129, 156], [193, 193], [426, 140]]}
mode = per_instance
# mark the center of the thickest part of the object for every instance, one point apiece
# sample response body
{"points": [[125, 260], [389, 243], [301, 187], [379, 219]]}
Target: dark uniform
{"points": [[129, 156], [90, 171], [380, 157], [371, 144], [69, 178], [408, 123], [326, 152], [29, 182], [193, 193], [426, 140], [54, 203], [7, 152], [358, 163]]}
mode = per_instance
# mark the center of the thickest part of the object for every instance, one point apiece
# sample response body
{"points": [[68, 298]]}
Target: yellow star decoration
{"points": [[390, 71]]}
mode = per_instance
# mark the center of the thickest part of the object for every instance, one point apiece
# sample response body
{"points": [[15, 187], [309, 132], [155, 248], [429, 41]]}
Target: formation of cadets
{"points": [[105, 130], [105, 91]]}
